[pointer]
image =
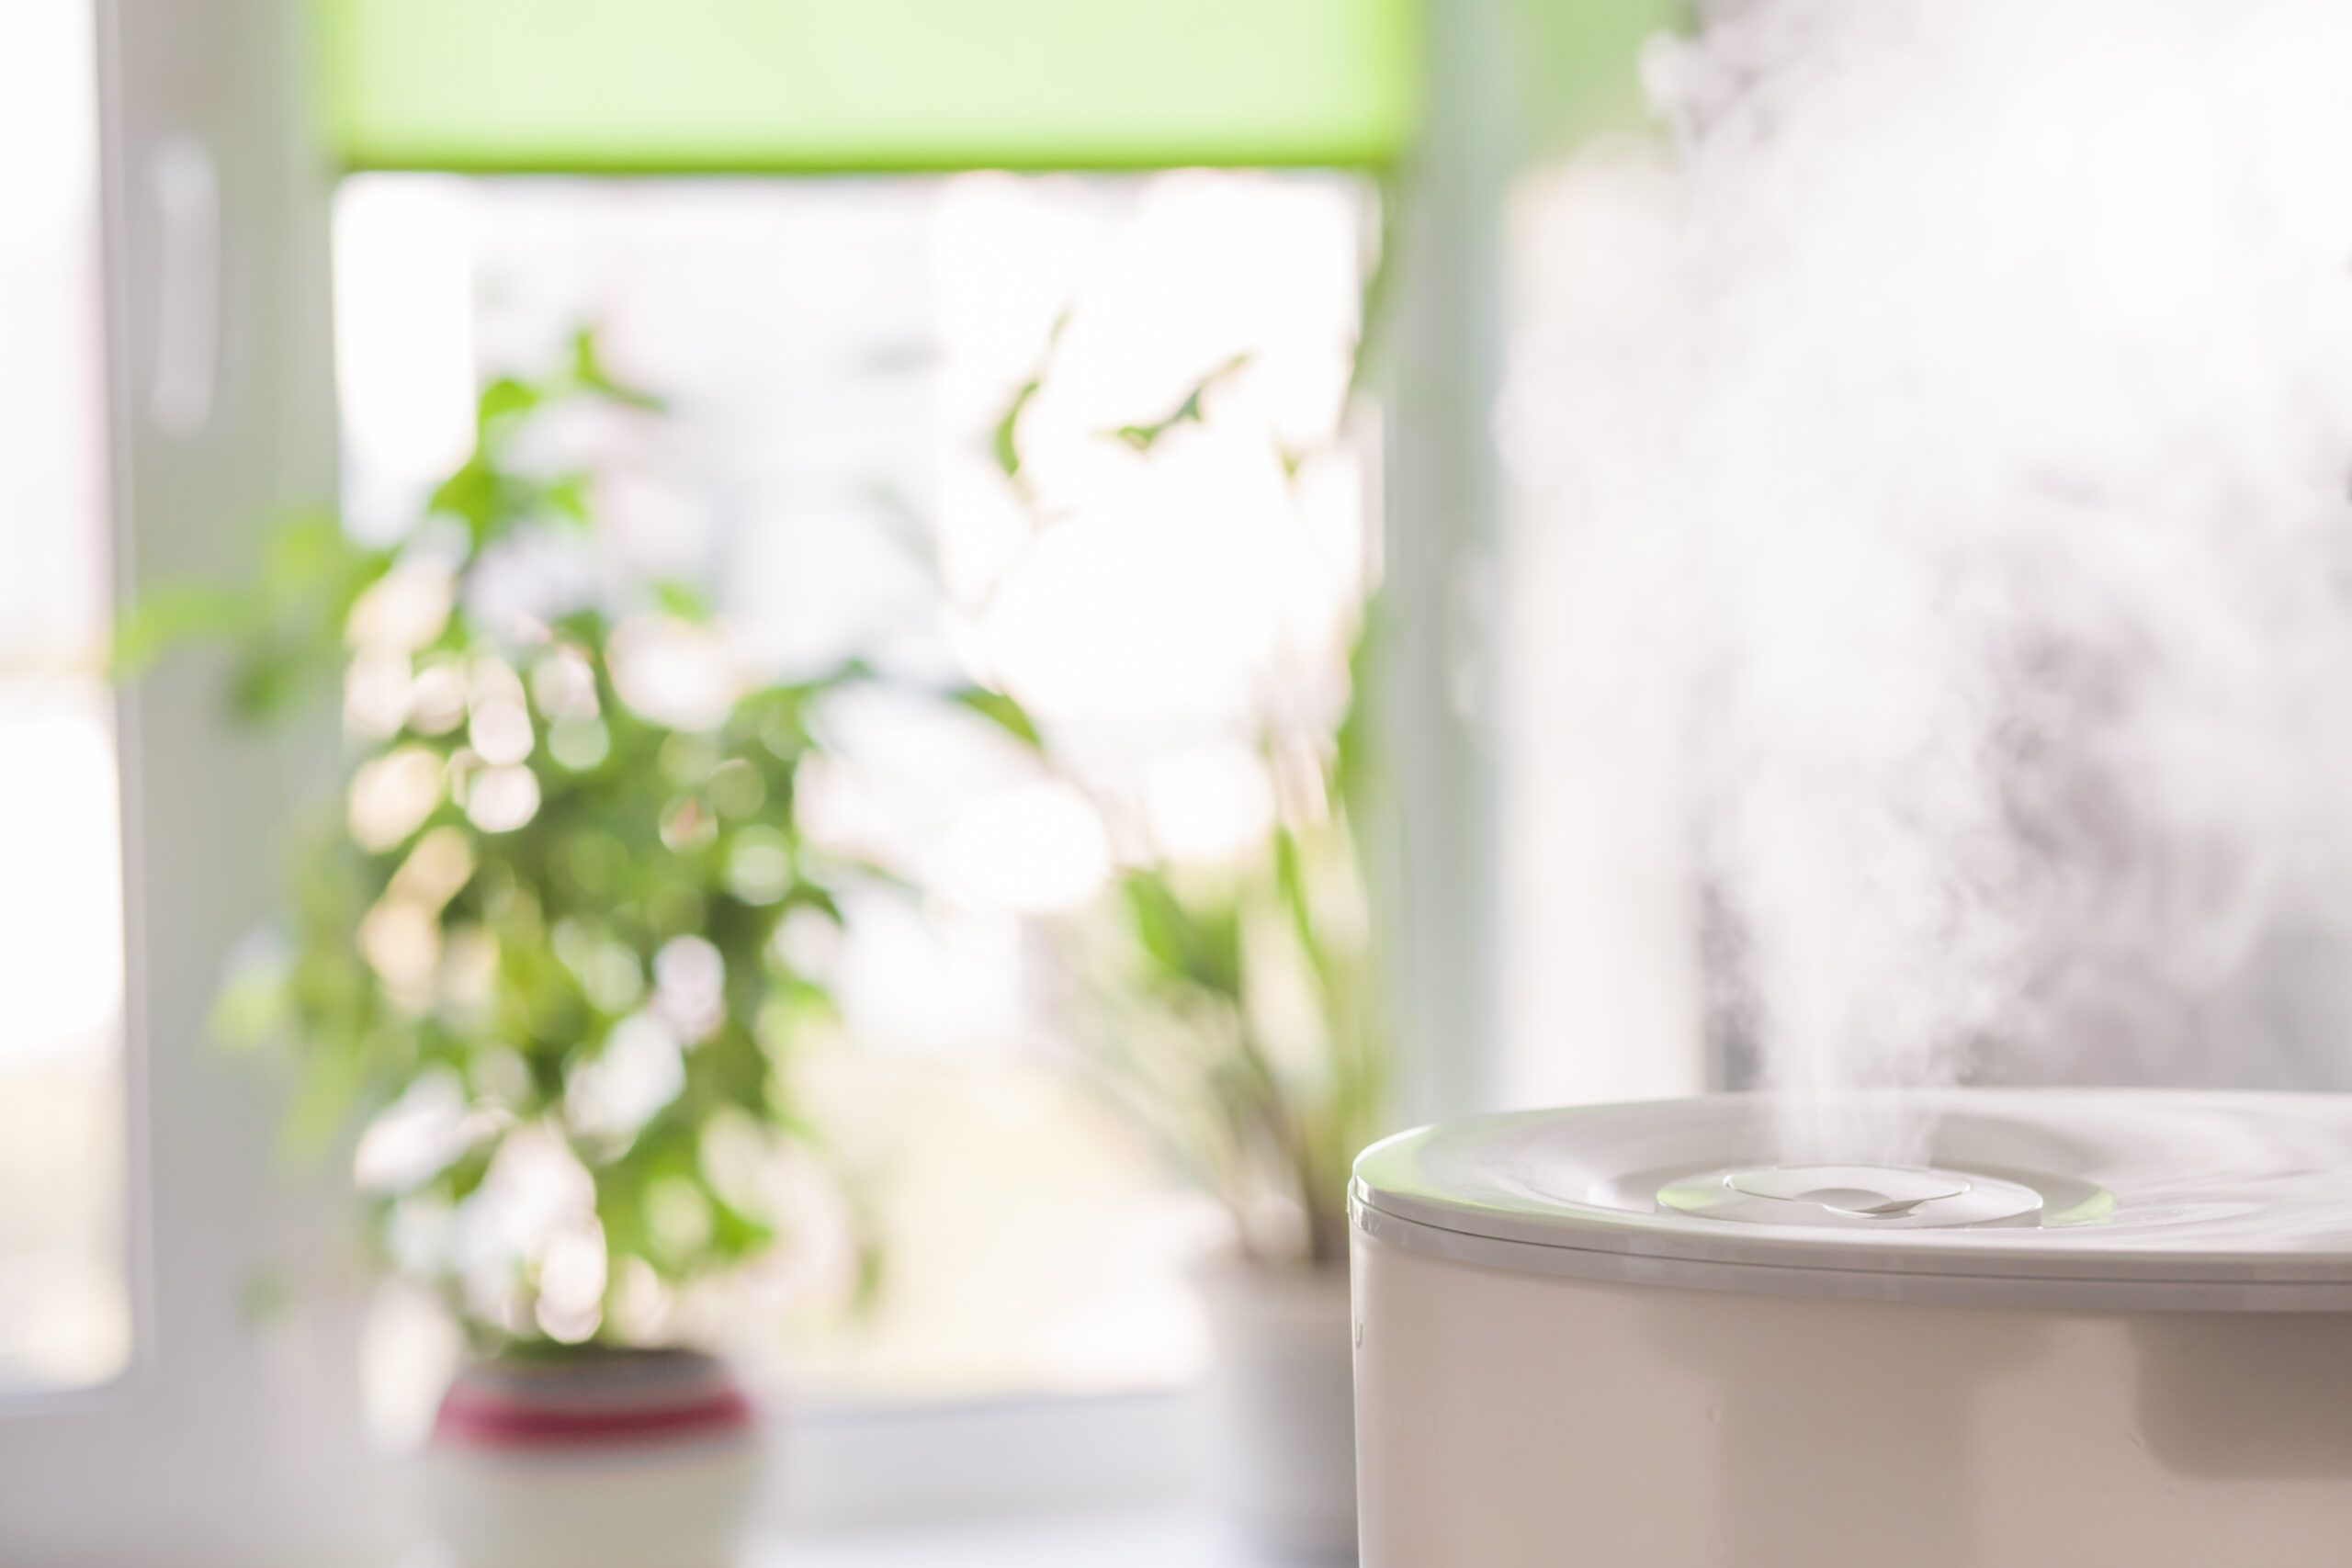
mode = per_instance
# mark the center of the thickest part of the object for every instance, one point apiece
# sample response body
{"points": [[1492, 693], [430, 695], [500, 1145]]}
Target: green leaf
{"points": [[682, 600], [1200, 947], [1001, 710], [811, 896], [255, 1003], [1143, 437], [587, 364], [1007, 441], [463, 1176], [503, 399], [269, 677], [166, 618], [470, 495], [305, 550], [1008, 427], [734, 1232], [324, 1101], [568, 498], [589, 373], [1355, 747], [1290, 880]]}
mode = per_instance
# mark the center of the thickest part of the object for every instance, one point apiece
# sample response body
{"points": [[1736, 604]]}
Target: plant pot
{"points": [[1282, 1402], [596, 1459]]}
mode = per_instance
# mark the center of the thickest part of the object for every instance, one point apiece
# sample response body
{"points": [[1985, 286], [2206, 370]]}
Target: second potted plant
{"points": [[1239, 1017], [1234, 1009]]}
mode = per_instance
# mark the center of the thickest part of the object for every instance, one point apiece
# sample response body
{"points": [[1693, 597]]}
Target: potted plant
{"points": [[1237, 1014], [1236, 1011], [536, 952]]}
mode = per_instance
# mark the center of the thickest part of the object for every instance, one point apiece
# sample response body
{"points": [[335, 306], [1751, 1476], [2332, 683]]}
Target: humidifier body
{"points": [[2094, 1329]]}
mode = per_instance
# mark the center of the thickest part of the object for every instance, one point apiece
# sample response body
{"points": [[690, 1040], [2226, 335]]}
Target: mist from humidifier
{"points": [[1997, 416]]}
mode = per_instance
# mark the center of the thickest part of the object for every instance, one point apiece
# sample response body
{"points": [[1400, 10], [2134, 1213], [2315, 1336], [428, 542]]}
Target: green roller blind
{"points": [[718, 85]]}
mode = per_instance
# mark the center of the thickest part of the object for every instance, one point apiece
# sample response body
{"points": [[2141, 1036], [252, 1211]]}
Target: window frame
{"points": [[227, 1438]]}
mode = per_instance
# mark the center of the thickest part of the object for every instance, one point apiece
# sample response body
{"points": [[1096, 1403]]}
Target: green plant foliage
{"points": [[1264, 1105], [1144, 437], [1238, 1013], [540, 916], [1001, 711]]}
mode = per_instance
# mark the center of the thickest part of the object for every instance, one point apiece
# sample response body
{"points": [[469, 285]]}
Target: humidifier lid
{"points": [[2121, 1199]]}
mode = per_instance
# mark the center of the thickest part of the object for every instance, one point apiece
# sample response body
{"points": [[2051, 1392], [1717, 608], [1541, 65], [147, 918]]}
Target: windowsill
{"points": [[1154, 1535], [1157, 1535], [1040, 1483]]}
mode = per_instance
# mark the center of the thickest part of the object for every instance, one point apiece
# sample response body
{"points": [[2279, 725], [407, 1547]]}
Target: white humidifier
{"points": [[2089, 1329]]}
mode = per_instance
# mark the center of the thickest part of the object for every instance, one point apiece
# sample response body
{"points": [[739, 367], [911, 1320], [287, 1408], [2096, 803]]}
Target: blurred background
{"points": [[743, 738], [1079, 420]]}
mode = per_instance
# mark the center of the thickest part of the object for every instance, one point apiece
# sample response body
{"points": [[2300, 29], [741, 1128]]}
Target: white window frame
{"points": [[225, 1439], [231, 1441], [1442, 512]]}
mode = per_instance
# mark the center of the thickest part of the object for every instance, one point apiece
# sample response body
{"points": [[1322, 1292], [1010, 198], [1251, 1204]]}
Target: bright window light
{"points": [[841, 357], [65, 1314]]}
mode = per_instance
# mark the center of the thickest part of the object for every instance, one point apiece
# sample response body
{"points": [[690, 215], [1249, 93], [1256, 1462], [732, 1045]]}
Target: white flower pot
{"points": [[1282, 1461], [610, 1460]]}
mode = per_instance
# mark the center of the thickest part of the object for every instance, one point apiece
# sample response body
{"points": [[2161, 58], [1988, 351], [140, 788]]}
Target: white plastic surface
{"points": [[2098, 1199], [1521, 1420]]}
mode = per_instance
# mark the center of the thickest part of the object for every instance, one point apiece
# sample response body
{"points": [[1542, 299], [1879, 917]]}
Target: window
{"points": [[841, 358], [64, 1309], [841, 351]]}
